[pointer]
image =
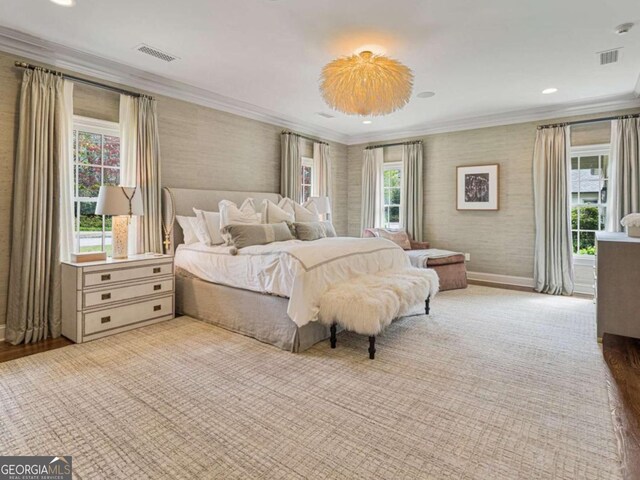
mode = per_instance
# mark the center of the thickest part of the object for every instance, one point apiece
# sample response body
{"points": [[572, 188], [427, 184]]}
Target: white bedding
{"points": [[301, 271]]}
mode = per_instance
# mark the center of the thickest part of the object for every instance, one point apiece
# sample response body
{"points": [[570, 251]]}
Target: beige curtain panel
{"points": [[148, 176], [553, 268], [34, 308], [290, 167], [323, 180], [624, 178], [129, 111], [413, 190], [370, 216]]}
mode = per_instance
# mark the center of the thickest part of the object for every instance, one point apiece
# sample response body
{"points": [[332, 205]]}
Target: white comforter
{"points": [[301, 271]]}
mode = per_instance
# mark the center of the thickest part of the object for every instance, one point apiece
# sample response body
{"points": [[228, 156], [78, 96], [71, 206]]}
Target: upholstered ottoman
{"points": [[450, 266]]}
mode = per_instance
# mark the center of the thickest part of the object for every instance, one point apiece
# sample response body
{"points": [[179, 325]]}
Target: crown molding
{"points": [[63, 57], [586, 107]]}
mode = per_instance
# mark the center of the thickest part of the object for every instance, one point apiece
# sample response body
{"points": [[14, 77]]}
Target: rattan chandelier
{"points": [[366, 84]]}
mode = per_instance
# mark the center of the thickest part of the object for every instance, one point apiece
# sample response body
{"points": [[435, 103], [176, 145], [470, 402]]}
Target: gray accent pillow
{"points": [[246, 235], [314, 230]]}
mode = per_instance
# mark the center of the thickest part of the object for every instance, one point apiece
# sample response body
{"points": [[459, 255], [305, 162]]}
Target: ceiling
{"points": [[480, 57]]}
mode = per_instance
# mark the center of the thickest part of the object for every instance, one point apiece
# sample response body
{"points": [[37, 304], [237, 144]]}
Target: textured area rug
{"points": [[494, 384]]}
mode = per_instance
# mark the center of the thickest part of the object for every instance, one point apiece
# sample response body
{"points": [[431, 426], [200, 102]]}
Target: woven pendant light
{"points": [[366, 84]]}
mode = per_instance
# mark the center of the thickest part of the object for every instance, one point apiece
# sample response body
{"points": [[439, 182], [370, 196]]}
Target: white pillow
{"points": [[308, 212], [287, 205], [188, 229], [272, 213], [231, 214], [211, 221]]}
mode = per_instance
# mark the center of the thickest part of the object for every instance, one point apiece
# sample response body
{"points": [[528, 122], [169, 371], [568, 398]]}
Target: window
{"points": [[392, 195], [96, 155], [307, 178], [589, 183]]}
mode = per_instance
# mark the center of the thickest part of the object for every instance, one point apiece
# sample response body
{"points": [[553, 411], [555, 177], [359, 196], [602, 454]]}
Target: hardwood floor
{"points": [[11, 352], [621, 354]]}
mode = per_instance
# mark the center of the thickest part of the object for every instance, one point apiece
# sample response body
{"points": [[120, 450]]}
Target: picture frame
{"points": [[477, 187]]}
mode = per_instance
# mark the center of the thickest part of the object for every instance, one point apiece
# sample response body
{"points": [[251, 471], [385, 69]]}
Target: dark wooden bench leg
{"points": [[333, 335], [427, 307], [372, 347]]}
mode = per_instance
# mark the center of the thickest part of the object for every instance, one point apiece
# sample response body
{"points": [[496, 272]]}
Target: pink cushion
{"points": [[399, 238]]}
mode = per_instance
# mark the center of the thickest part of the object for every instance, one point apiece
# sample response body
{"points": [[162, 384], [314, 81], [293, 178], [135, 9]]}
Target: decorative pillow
{"points": [[399, 238], [247, 235], [314, 230], [272, 213], [211, 220], [307, 212], [230, 213], [188, 229]]}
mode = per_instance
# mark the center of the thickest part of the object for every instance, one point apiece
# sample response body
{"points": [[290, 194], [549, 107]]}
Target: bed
{"points": [[269, 292]]}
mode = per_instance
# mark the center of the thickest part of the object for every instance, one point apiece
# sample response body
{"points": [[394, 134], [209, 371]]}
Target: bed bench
{"points": [[369, 303]]}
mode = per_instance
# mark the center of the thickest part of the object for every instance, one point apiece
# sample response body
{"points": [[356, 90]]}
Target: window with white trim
{"points": [[307, 178], [96, 162], [392, 196], [589, 185]]}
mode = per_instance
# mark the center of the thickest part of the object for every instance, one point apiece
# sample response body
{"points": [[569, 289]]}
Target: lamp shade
{"points": [[323, 205], [113, 200]]}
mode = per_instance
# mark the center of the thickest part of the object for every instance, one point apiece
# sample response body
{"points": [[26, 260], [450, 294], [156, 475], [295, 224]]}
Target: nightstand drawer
{"points": [[106, 277], [116, 317], [117, 294]]}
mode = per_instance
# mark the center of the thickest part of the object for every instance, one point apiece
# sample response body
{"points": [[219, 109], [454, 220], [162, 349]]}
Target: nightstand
{"points": [[112, 296]]}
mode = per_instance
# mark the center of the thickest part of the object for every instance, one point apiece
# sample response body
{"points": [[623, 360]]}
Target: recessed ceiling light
{"points": [[367, 122], [547, 91], [64, 3], [425, 94]]}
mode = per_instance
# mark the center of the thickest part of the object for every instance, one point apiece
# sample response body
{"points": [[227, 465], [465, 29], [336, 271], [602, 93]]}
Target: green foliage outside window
{"points": [[589, 220]]}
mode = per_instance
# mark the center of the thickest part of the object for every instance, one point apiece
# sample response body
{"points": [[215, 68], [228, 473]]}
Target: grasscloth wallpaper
{"points": [[200, 148], [499, 242]]}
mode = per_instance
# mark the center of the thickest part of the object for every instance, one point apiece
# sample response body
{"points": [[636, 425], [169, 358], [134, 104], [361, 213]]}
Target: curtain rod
{"points": [[81, 80], [584, 122], [371, 147], [286, 132]]}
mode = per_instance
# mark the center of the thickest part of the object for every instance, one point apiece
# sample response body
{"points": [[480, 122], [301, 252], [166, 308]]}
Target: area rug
{"points": [[494, 384]]}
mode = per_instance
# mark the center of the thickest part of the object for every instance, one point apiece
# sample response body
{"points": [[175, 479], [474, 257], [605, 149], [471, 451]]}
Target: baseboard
{"points": [[492, 278], [500, 279], [1, 333]]}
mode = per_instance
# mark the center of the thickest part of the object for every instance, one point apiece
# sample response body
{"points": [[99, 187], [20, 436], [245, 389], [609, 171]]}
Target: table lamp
{"points": [[323, 205], [121, 203]]}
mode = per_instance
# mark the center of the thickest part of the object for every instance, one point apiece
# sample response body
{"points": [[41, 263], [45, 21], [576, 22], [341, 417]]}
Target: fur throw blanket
{"points": [[369, 303]]}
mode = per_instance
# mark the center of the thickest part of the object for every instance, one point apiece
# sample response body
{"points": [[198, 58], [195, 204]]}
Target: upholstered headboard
{"points": [[181, 201]]}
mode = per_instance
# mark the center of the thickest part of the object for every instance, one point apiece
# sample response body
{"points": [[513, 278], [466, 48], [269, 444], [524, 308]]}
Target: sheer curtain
{"points": [[290, 167], [412, 182], [68, 240], [128, 154], [39, 207], [371, 214], [553, 267], [624, 178], [323, 180]]}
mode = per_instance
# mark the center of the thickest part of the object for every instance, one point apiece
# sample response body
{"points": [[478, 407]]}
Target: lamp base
{"points": [[120, 240]]}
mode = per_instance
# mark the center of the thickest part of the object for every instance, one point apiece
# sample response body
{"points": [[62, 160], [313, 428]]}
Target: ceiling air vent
{"points": [[154, 52], [609, 56]]}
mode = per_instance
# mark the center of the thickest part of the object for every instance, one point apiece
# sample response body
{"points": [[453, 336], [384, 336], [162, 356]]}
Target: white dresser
{"points": [[108, 297]]}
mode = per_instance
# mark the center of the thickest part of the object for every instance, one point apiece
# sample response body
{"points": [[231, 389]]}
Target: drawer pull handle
{"points": [[157, 287], [105, 277], [105, 319], [157, 270], [157, 307], [106, 296]]}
